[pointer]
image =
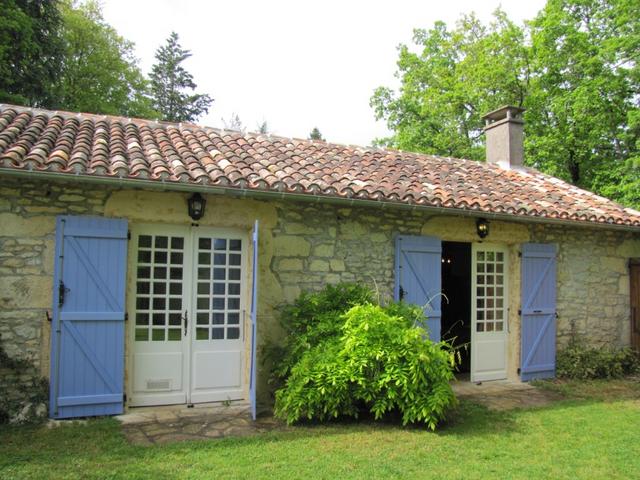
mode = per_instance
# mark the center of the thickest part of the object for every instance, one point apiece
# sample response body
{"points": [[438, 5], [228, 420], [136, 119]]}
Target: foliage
{"points": [[381, 363], [581, 362], [315, 134], [457, 76], [574, 68], [30, 50], [21, 405], [171, 83], [344, 354], [585, 86], [99, 72], [311, 318]]}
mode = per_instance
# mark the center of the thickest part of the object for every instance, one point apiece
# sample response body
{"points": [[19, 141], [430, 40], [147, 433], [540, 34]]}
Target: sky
{"points": [[294, 64]]}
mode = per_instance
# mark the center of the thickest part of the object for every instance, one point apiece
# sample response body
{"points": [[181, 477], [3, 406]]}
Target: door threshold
{"points": [[169, 413]]}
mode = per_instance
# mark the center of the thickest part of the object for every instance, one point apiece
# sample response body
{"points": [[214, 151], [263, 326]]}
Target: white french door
{"points": [[489, 312], [188, 303]]}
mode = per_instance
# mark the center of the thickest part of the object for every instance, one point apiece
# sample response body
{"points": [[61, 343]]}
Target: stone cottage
{"points": [[143, 263]]}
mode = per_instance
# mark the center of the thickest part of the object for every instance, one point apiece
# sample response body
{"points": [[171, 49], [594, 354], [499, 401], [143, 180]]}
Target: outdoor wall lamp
{"points": [[482, 227], [196, 204]]}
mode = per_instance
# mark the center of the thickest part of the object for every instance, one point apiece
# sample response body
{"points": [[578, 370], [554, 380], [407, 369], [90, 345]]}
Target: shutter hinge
{"points": [[124, 398], [128, 234], [519, 312], [126, 316], [520, 254]]}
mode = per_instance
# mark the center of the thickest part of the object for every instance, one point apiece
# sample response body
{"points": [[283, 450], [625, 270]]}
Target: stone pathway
{"points": [[504, 394], [159, 425]]}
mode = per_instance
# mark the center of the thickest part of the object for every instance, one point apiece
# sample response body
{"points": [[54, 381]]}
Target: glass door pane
{"points": [[219, 274], [159, 288]]}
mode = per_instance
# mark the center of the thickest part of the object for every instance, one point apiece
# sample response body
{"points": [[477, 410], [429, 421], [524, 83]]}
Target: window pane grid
{"points": [[159, 288], [490, 284], [219, 261]]}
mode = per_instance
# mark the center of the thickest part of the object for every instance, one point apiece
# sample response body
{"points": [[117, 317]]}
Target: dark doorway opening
{"points": [[456, 305]]}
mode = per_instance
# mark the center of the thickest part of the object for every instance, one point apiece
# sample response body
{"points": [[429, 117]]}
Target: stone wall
{"points": [[315, 245], [593, 282], [302, 246]]}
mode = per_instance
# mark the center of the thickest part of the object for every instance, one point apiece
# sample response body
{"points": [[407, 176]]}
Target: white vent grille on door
{"points": [[159, 384]]}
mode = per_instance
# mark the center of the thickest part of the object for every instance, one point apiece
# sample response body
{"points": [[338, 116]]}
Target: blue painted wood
{"points": [[419, 277], [538, 311], [87, 341], [254, 322]]}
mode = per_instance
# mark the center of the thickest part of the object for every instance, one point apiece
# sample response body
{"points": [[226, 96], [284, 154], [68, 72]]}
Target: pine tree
{"points": [[315, 134], [171, 85]]}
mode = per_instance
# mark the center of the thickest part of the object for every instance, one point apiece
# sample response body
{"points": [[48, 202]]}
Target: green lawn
{"points": [[593, 434]]}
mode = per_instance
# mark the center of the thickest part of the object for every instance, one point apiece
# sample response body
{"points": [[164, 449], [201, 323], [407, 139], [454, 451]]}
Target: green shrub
{"points": [[311, 318], [357, 356], [579, 361]]}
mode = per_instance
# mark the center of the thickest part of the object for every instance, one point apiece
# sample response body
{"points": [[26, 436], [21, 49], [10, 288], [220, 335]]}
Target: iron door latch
{"points": [[62, 291]]}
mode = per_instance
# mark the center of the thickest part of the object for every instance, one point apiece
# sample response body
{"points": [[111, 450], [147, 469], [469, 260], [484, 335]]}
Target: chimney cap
{"points": [[507, 111]]}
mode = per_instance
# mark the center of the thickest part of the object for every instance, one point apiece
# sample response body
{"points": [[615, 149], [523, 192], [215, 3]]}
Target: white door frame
{"points": [[489, 350], [186, 393]]}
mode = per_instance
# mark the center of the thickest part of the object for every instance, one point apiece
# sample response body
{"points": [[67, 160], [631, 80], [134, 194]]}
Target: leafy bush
{"points": [[363, 357], [311, 318], [578, 361]]}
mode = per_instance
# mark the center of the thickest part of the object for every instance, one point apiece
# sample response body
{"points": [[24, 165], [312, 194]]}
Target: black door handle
{"points": [[186, 322], [62, 291]]}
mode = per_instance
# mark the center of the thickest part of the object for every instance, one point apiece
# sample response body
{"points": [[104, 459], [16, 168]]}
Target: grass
{"points": [[592, 434]]}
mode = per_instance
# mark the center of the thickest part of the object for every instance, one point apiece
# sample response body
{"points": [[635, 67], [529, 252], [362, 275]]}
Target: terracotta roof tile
{"points": [[97, 145]]}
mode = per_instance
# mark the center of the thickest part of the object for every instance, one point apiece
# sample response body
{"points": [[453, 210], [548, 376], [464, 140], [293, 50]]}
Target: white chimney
{"points": [[504, 129]]}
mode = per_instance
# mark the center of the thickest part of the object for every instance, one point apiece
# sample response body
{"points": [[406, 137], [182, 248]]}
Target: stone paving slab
{"points": [[160, 425], [505, 395]]}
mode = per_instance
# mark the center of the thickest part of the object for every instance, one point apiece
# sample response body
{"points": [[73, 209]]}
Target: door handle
{"points": [[186, 322], [62, 291]]}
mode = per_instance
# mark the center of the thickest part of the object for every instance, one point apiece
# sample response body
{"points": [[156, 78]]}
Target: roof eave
{"points": [[273, 195]]}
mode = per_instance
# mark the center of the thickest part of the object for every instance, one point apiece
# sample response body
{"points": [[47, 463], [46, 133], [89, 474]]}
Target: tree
{"points": [[30, 50], [457, 76], [585, 94], [574, 68], [315, 134], [171, 83], [99, 72]]}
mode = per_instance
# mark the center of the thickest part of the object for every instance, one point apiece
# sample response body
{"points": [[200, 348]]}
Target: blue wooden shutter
{"points": [[87, 341], [254, 315], [419, 277], [538, 311]]}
